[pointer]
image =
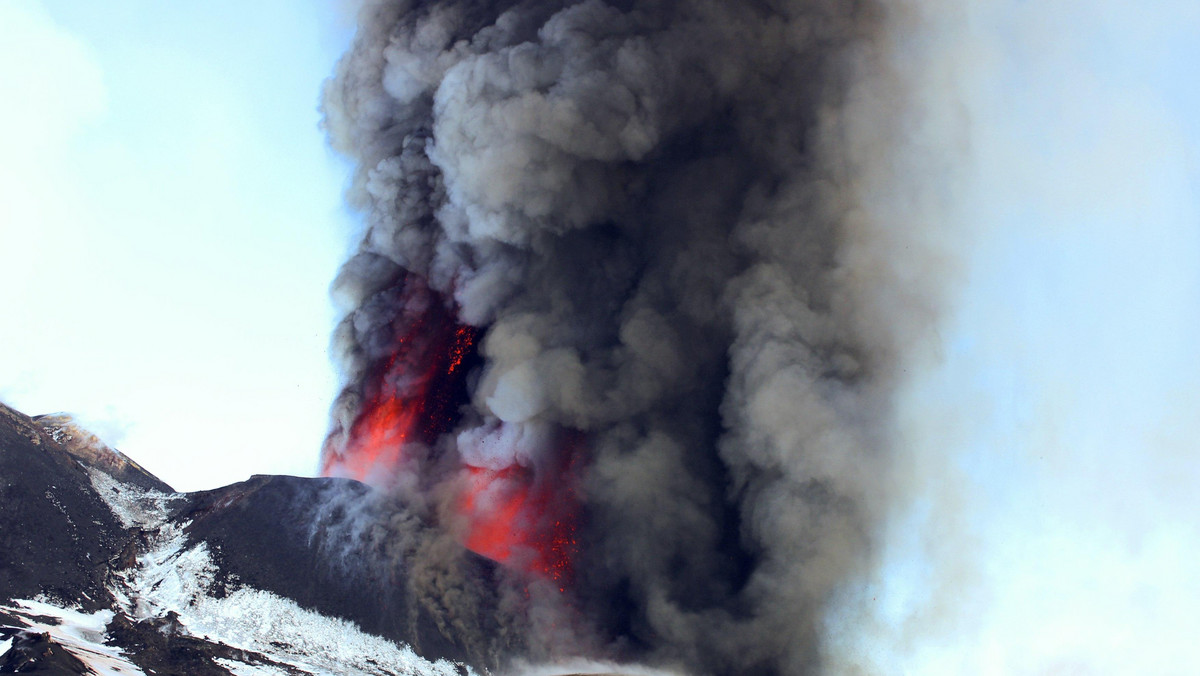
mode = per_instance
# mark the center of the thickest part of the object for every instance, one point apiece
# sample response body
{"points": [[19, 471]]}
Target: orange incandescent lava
{"points": [[521, 519], [514, 516], [413, 395]]}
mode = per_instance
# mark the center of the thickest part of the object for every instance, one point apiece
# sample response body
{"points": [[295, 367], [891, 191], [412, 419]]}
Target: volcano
{"points": [[105, 569]]}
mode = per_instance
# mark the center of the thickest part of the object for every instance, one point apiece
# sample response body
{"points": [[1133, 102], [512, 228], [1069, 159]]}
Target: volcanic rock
{"points": [[102, 563], [36, 652]]}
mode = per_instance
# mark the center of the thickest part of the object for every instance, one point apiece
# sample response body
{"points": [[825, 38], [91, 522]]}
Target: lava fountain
{"points": [[522, 517]]}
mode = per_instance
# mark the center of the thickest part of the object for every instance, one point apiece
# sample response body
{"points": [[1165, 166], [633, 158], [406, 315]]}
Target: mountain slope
{"points": [[58, 538], [102, 564]]}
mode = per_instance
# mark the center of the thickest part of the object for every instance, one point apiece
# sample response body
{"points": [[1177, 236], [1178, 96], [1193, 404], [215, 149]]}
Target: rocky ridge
{"points": [[105, 569]]}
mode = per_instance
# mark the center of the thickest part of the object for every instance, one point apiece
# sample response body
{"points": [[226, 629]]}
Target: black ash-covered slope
{"points": [[58, 538], [81, 526], [304, 539]]}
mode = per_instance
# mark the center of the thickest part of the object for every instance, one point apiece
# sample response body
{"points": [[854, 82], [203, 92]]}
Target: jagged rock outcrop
{"points": [[58, 537]]}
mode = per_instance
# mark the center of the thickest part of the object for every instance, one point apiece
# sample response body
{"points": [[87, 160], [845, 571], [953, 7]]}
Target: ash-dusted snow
{"points": [[167, 575], [133, 506]]}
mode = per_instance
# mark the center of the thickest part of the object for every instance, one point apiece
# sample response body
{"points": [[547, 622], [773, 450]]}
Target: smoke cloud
{"points": [[684, 231], [706, 273]]}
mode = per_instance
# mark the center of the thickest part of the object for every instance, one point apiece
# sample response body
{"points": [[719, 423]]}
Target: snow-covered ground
{"points": [[171, 577], [82, 634]]}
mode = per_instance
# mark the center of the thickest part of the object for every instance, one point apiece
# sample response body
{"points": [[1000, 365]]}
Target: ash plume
{"points": [[675, 239]]}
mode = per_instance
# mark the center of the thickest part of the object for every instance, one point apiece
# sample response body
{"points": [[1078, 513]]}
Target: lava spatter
{"points": [[522, 518], [413, 394], [514, 515]]}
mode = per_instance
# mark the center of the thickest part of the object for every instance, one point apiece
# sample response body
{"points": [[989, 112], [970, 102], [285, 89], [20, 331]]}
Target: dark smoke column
{"points": [[621, 310]]}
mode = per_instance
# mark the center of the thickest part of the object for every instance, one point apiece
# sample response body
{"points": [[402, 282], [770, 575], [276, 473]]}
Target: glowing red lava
{"points": [[522, 519], [414, 394], [514, 516]]}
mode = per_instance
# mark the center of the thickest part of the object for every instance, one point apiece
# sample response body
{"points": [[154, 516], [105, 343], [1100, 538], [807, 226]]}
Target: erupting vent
{"points": [[516, 519], [413, 394], [519, 516]]}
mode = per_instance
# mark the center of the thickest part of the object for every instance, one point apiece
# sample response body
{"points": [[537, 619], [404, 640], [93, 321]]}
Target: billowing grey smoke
{"points": [[677, 226]]}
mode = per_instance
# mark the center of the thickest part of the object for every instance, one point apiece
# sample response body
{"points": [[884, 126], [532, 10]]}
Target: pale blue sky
{"points": [[171, 220], [1047, 462]]}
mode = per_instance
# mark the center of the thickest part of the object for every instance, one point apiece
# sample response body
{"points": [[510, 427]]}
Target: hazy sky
{"points": [[169, 223], [1047, 460]]}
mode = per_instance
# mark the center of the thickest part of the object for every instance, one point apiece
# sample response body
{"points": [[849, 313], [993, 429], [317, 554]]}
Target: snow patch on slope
{"points": [[171, 577], [167, 576], [82, 634], [243, 669], [260, 621], [133, 506]]}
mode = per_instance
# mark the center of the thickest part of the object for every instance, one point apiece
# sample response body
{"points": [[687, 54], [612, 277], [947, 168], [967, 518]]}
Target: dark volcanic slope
{"points": [[296, 537], [62, 542], [57, 536]]}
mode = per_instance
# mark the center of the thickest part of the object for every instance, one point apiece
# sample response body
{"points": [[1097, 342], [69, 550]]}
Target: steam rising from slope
{"points": [[686, 234]]}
